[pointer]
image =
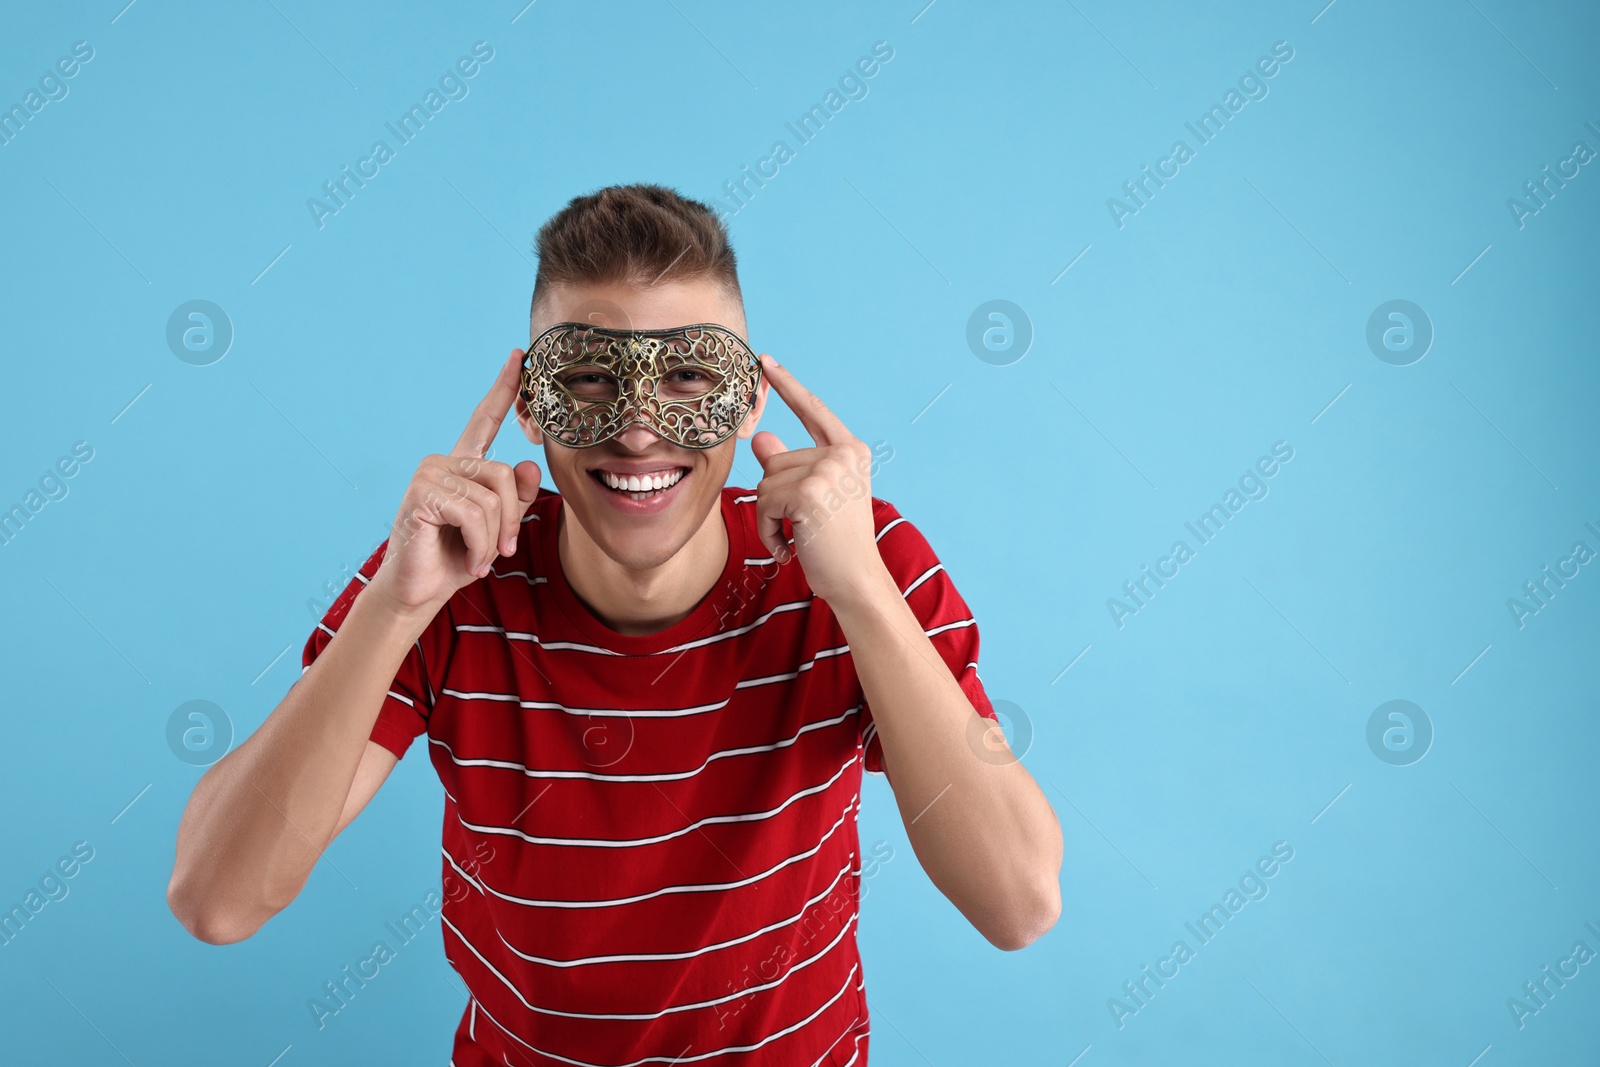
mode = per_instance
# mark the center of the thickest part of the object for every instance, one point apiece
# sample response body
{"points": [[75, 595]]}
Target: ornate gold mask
{"points": [[693, 385]]}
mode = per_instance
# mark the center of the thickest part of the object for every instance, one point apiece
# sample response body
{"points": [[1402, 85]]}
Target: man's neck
{"points": [[639, 603]]}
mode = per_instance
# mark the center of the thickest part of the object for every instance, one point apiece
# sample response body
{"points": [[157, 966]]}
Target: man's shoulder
{"points": [[884, 513], [901, 542], [896, 534]]}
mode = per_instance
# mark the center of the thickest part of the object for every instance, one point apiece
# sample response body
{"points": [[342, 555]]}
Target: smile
{"points": [[641, 486]]}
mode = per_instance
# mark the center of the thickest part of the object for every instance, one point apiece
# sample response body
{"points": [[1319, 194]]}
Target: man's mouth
{"points": [[643, 485]]}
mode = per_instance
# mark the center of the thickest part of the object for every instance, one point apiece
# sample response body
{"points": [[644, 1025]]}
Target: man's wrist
{"points": [[866, 593], [413, 618]]}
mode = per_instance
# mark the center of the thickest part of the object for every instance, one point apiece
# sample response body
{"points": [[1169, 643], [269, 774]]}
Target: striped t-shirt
{"points": [[650, 845]]}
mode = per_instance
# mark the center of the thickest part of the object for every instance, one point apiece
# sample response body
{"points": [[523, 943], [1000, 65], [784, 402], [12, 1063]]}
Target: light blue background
{"points": [[1228, 714]]}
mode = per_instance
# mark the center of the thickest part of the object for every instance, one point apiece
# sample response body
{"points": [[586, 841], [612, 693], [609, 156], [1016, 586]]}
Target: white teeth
{"points": [[634, 483]]}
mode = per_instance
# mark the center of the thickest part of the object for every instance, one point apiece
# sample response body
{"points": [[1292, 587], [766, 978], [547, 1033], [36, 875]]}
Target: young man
{"points": [[649, 696]]}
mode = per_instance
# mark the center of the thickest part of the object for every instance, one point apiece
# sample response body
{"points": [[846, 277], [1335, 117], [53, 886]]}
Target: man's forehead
{"points": [[624, 307]]}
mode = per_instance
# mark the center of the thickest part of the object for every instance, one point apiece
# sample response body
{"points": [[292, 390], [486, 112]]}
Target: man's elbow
{"points": [[1034, 910], [1030, 919], [211, 925]]}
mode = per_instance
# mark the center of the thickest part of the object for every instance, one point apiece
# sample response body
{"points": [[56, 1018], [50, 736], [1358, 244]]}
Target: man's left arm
{"points": [[979, 824], [981, 828]]}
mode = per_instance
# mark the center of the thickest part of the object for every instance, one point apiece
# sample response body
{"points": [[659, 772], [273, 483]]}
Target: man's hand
{"points": [[825, 492], [460, 510]]}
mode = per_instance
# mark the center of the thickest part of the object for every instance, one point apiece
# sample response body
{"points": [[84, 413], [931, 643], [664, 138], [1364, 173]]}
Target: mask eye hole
{"points": [[687, 383], [589, 383]]}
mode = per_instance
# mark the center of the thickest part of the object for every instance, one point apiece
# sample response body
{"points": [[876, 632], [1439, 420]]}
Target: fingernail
{"points": [[508, 546]]}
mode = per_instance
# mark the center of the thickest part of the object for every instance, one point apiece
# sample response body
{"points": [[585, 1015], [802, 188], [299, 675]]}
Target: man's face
{"points": [[640, 533]]}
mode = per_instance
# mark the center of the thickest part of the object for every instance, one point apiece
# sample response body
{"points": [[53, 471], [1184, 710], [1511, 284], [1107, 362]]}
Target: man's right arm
{"points": [[259, 819]]}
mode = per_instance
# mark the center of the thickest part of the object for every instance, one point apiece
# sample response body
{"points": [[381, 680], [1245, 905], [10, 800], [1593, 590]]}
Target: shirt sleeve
{"points": [[410, 699], [933, 599]]}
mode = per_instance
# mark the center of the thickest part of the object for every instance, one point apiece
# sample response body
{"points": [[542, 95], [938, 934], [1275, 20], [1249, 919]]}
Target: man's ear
{"points": [[747, 428]]}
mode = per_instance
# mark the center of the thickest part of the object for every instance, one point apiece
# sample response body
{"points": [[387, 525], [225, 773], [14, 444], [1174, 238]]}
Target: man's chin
{"points": [[641, 542], [645, 547]]}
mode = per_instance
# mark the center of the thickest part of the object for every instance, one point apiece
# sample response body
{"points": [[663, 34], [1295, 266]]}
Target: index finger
{"points": [[491, 410], [823, 425]]}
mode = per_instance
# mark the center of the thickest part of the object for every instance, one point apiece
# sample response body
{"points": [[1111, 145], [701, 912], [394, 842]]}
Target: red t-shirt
{"points": [[650, 845]]}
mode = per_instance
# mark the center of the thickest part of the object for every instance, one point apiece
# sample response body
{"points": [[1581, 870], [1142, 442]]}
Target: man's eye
{"points": [[584, 376], [590, 385], [686, 383]]}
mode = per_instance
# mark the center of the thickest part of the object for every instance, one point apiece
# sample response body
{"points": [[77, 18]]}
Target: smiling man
{"points": [[650, 696]]}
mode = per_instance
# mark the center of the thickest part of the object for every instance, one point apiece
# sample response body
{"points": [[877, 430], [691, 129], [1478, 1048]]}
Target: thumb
{"points": [[765, 445], [527, 475]]}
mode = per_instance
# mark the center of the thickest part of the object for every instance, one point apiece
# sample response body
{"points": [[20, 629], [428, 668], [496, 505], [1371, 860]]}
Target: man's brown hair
{"points": [[634, 234]]}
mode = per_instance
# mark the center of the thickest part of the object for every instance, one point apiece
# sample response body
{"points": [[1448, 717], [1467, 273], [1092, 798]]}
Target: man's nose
{"points": [[638, 436]]}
